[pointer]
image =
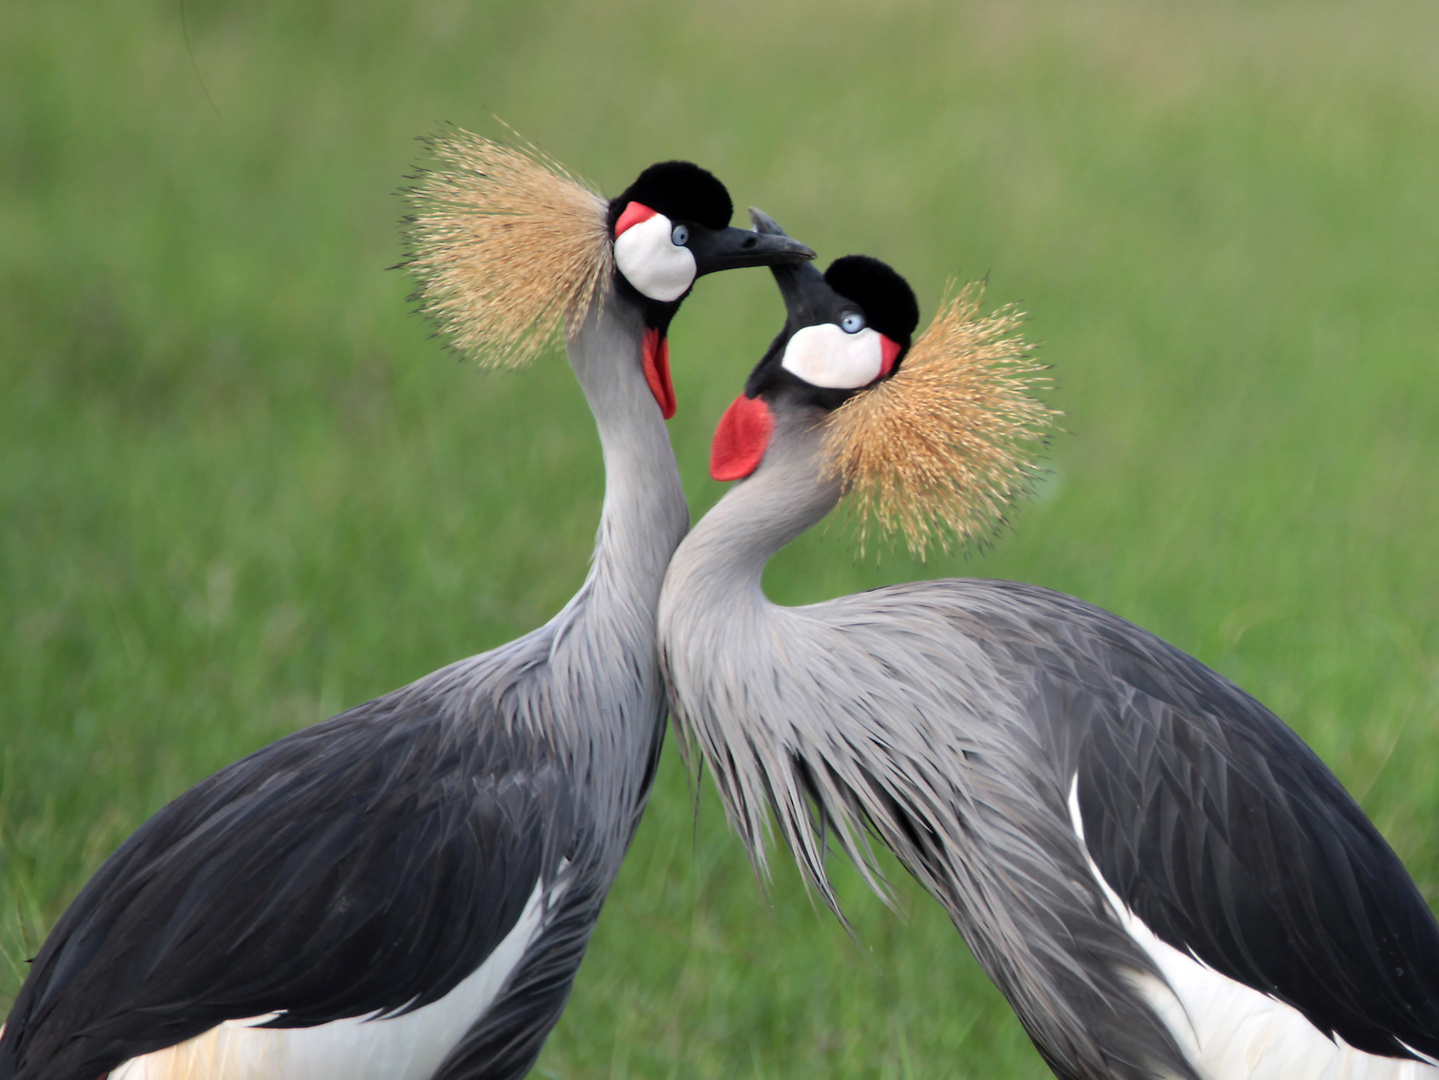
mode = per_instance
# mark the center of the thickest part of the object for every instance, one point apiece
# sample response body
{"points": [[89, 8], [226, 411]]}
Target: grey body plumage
{"points": [[1070, 787]]}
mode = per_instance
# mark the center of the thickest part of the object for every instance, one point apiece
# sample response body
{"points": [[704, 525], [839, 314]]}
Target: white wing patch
{"points": [[652, 262], [408, 1047], [1230, 1031], [825, 355]]}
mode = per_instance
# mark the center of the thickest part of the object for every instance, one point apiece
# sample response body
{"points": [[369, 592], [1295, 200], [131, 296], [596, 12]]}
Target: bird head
{"points": [[671, 226], [510, 249], [668, 228], [930, 437]]}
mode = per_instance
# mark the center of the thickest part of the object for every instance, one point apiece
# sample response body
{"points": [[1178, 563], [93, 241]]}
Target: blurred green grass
{"points": [[241, 490]]}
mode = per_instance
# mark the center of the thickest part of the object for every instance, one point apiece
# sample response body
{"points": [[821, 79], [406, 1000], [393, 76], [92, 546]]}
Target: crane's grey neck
{"points": [[787, 495], [645, 513]]}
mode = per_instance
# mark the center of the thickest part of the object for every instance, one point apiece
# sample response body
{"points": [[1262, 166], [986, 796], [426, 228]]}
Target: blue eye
{"points": [[851, 322], [681, 235]]}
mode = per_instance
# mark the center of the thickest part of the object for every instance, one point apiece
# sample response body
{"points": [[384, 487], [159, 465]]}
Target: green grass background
{"points": [[240, 488]]}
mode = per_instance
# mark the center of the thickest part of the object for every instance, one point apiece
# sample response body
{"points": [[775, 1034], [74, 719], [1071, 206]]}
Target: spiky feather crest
{"points": [[507, 246], [938, 451]]}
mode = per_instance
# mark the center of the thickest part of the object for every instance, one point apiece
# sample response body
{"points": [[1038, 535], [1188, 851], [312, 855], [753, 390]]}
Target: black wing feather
{"points": [[365, 864], [505, 1042], [1220, 829]]}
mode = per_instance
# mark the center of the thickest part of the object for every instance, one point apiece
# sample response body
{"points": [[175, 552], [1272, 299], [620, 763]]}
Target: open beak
{"points": [[731, 248], [801, 285]]}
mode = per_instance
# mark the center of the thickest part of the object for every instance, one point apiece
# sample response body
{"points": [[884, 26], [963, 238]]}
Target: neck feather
{"points": [[723, 559], [725, 649], [644, 514]]}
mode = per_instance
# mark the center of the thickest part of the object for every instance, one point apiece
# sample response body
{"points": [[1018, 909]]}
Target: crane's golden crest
{"points": [[941, 448], [507, 246]]}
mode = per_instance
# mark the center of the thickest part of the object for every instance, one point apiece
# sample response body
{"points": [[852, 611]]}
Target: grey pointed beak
{"points": [[731, 248], [801, 285], [763, 223]]}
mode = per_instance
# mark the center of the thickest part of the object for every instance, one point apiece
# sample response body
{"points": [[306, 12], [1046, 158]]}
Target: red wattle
{"points": [[634, 213], [888, 354], [657, 369], [741, 439]]}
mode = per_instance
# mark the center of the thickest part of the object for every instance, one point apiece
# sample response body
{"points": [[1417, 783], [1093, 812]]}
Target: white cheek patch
{"points": [[825, 355], [652, 262]]}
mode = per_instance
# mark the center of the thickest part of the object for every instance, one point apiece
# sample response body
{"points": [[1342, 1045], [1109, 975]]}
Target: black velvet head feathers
{"points": [[679, 190], [889, 303]]}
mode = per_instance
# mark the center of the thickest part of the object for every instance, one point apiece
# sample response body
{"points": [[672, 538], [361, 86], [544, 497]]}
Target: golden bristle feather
{"points": [[509, 248], [939, 450]]}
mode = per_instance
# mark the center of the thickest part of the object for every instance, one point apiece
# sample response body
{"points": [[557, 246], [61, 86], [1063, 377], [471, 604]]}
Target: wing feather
{"points": [[364, 865], [1232, 841]]}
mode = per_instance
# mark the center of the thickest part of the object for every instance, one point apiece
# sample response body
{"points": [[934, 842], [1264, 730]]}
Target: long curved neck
{"points": [[721, 562], [724, 648], [645, 514]]}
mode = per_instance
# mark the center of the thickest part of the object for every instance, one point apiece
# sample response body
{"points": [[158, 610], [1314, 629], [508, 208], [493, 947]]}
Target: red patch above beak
{"points": [[634, 213], [741, 439], [657, 369], [888, 354]]}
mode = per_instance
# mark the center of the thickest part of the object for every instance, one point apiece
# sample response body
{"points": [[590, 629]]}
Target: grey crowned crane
{"points": [[1157, 873], [405, 891]]}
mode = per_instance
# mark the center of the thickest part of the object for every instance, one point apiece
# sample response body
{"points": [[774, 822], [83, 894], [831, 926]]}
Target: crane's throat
{"points": [[741, 438], [657, 370]]}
